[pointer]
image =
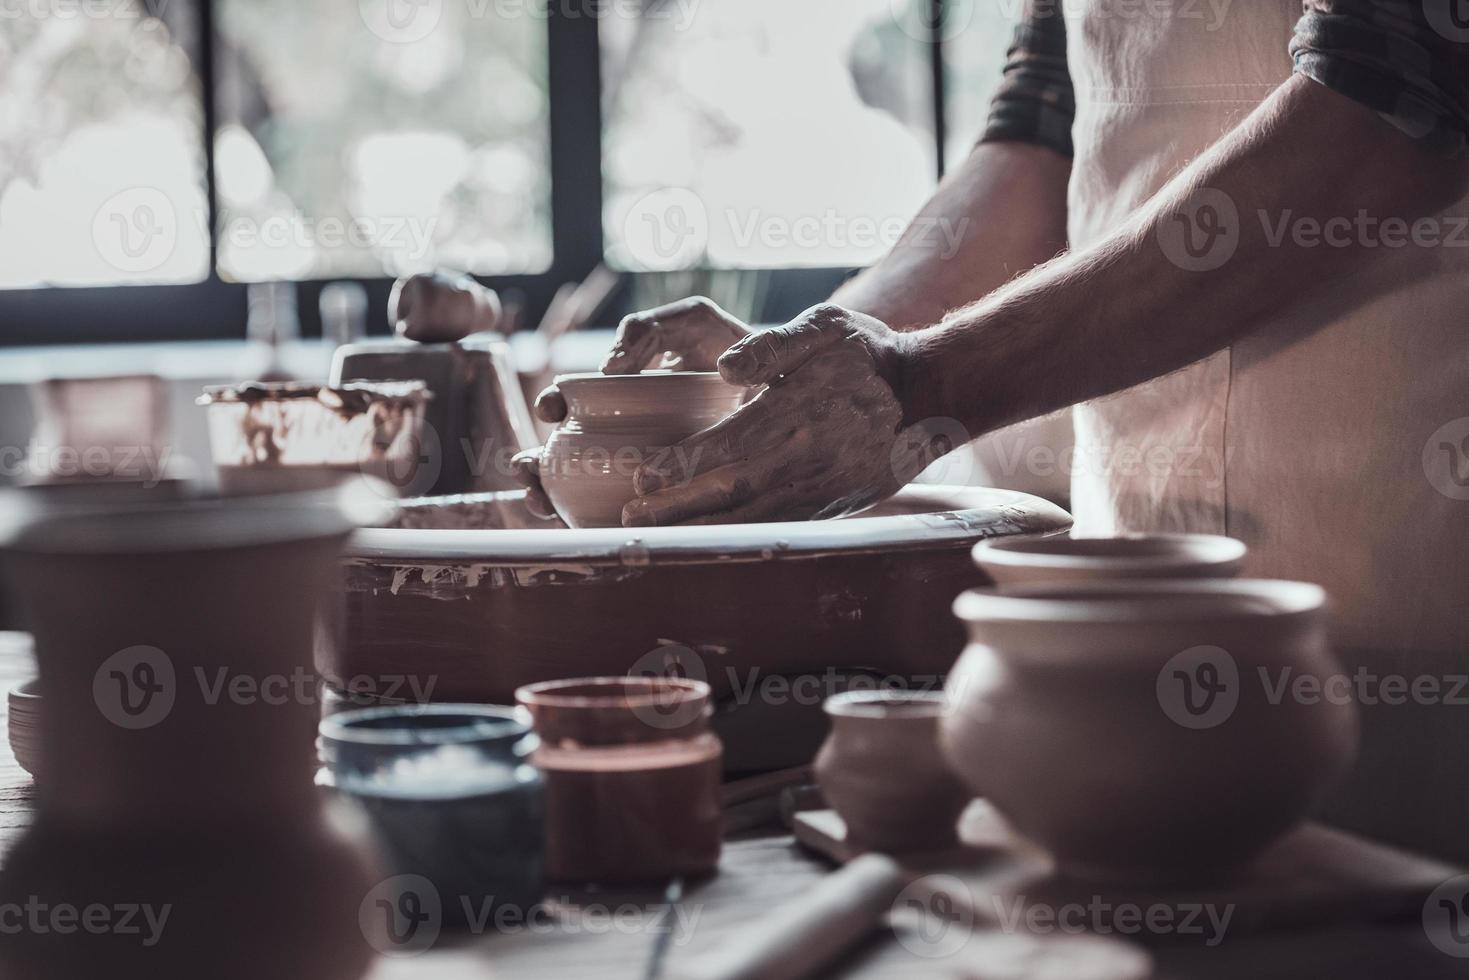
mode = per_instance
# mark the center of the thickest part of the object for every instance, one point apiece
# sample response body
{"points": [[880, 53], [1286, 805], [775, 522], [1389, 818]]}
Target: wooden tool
{"points": [[797, 939]]}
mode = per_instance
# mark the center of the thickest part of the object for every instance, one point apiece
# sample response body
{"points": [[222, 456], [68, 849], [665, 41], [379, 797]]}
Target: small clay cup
{"points": [[632, 778], [615, 423], [1028, 560], [1138, 730], [24, 718], [882, 771]]}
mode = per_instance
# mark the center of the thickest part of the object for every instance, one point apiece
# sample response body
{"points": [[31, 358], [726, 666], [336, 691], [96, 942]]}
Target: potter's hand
{"points": [[441, 307], [685, 336], [688, 335], [826, 438], [525, 467]]}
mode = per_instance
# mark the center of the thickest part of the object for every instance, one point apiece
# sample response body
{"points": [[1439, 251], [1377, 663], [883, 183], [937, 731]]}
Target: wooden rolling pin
{"points": [[797, 939]]}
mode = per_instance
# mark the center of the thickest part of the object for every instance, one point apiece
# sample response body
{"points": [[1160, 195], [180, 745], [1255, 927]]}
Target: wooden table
{"points": [[610, 938]]}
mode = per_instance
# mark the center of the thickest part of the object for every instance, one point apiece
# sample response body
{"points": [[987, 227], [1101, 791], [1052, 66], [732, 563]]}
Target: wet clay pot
{"points": [[881, 771], [1151, 556], [614, 424], [1139, 731], [177, 775]]}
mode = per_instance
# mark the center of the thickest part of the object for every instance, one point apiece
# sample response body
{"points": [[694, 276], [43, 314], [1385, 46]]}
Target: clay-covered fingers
{"points": [[769, 354], [695, 330], [550, 405], [525, 467], [749, 433], [719, 490]]}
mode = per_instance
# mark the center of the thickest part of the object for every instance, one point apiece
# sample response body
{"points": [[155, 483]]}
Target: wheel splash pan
{"points": [[469, 615]]}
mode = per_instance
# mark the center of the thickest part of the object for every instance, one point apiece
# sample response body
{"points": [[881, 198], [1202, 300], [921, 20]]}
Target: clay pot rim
{"points": [[27, 693], [1145, 601], [35, 522], [543, 693], [961, 514], [891, 706], [1129, 554], [666, 379], [484, 724]]}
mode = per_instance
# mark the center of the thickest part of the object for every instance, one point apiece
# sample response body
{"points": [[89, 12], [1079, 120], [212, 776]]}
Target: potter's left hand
{"points": [[826, 438]]}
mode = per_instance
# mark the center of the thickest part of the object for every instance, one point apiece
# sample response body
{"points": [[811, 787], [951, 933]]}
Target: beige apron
{"points": [[1334, 441]]}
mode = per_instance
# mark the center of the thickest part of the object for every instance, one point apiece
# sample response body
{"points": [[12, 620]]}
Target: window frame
{"points": [[215, 309]]}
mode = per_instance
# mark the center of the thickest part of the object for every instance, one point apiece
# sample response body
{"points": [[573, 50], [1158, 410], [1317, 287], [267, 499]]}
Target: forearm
{"points": [[1126, 310], [1000, 214]]}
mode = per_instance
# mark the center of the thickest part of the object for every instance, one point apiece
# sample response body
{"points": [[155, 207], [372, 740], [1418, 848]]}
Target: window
{"points": [[101, 138], [764, 133], [366, 139], [419, 138]]}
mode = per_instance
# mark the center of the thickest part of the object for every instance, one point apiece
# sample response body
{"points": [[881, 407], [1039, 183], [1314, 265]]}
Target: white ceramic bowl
{"points": [[1019, 561]]}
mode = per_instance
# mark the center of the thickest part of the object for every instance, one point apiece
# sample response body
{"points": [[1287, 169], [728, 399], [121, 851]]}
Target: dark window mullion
{"points": [[575, 96], [936, 16]]}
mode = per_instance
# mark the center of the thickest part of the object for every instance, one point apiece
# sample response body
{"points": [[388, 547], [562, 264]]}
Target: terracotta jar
{"points": [[632, 778], [614, 423], [881, 770], [1018, 561], [178, 755], [1149, 730]]}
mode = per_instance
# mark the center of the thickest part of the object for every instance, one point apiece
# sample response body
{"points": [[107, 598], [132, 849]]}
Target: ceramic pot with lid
{"points": [[614, 424], [1149, 730]]}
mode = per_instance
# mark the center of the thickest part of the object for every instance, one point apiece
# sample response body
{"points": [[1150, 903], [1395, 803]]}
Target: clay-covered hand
{"points": [[825, 438], [441, 307], [688, 335], [525, 468]]}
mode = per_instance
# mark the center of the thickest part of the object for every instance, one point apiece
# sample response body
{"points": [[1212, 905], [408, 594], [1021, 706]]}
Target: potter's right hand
{"points": [[688, 335]]}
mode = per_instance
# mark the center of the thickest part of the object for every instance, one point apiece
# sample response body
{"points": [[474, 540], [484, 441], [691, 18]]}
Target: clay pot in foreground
{"points": [[883, 773], [1020, 561], [632, 778], [1141, 730], [178, 774], [615, 423]]}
